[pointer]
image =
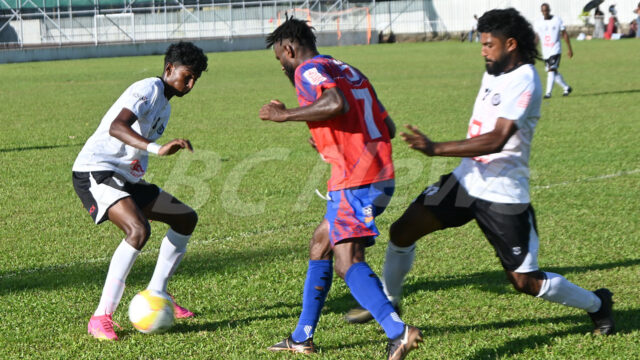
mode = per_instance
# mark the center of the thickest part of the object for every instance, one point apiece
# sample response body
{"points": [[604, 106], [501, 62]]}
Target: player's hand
{"points": [[174, 146], [274, 111], [417, 140], [570, 53]]}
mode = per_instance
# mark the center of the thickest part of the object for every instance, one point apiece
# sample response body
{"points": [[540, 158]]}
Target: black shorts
{"points": [[99, 190], [510, 228], [552, 62]]}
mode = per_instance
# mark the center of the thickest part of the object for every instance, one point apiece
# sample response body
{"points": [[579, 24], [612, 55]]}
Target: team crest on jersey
{"points": [[140, 97], [495, 100], [136, 168], [368, 213], [314, 77]]}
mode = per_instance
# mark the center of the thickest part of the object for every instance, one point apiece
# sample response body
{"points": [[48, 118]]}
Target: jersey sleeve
{"points": [[561, 24], [139, 99], [515, 99], [383, 111], [311, 79]]}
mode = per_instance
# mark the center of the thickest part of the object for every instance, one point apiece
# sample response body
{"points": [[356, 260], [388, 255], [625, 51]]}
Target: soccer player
{"points": [[549, 29], [352, 131], [107, 176], [491, 184]]}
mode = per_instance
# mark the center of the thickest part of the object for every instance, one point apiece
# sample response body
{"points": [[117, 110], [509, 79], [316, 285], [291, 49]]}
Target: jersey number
{"points": [[365, 95]]}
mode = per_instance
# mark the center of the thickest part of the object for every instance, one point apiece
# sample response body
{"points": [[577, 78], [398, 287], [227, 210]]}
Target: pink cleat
{"points": [[101, 327], [179, 312]]}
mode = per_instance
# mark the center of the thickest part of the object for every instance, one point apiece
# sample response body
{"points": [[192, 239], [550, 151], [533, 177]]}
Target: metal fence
{"points": [[25, 23]]}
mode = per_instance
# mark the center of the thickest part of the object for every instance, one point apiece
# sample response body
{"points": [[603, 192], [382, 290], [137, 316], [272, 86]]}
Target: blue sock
{"points": [[367, 290], [316, 288]]}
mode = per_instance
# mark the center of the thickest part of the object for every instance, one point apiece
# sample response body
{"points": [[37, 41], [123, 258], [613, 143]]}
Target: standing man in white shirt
{"points": [[548, 30], [491, 184], [107, 176]]}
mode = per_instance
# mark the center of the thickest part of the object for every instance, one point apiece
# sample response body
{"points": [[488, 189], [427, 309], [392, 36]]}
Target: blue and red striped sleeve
{"points": [[311, 79]]}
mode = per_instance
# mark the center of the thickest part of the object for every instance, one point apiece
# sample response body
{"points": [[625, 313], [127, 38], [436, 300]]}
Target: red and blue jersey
{"points": [[356, 143]]}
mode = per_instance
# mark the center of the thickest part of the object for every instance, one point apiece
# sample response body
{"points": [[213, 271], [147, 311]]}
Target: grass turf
{"points": [[253, 186]]}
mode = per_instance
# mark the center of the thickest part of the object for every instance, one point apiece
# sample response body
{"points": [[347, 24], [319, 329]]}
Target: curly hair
{"points": [[509, 23], [187, 54], [294, 30]]}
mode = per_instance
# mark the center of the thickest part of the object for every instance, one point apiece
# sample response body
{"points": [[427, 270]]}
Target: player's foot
{"points": [[603, 318], [567, 91], [305, 347], [178, 311], [399, 347], [360, 315], [547, 96], [101, 327]]}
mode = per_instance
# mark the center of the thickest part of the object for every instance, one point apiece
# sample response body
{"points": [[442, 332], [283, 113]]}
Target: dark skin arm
{"points": [[329, 105], [489, 143], [121, 130], [565, 36]]}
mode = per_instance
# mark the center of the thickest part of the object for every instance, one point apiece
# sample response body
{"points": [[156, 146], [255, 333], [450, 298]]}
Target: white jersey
{"points": [[102, 151], [549, 33], [503, 177]]}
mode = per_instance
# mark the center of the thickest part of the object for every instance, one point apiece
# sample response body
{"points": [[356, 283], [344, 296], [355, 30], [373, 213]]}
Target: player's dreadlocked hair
{"points": [[294, 30], [187, 54], [509, 23]]}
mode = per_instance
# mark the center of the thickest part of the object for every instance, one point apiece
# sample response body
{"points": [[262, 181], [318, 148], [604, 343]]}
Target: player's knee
{"points": [[341, 268], [398, 234], [190, 221], [138, 233], [523, 284]]}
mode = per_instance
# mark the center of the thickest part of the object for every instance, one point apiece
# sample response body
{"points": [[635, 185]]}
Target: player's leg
{"points": [[105, 195], [316, 288], [441, 200], [182, 220], [512, 230], [127, 216], [366, 288]]}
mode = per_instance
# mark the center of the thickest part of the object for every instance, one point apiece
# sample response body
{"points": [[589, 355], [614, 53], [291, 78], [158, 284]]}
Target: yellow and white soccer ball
{"points": [[151, 311]]}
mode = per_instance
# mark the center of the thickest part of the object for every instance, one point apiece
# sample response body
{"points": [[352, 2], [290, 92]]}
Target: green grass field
{"points": [[253, 186]]}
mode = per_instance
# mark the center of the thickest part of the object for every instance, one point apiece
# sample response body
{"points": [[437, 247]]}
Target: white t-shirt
{"points": [[503, 177], [102, 151], [549, 34]]}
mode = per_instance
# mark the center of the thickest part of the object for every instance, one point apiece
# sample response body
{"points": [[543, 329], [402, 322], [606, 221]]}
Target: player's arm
{"points": [[565, 36], [329, 105], [489, 143], [121, 130]]}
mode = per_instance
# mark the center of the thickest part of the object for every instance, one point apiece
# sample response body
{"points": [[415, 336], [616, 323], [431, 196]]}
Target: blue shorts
{"points": [[351, 212]]}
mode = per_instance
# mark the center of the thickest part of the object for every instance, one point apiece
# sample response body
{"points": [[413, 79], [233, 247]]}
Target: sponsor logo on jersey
{"points": [[495, 100], [314, 77], [136, 168], [368, 213]]}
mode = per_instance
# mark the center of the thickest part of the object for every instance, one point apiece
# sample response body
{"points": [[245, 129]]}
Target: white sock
{"points": [[121, 263], [560, 81], [557, 289], [172, 249], [551, 75], [397, 264]]}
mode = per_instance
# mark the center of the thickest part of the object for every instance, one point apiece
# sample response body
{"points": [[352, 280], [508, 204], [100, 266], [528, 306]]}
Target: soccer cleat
{"points": [[360, 315], [101, 327], [547, 96], [567, 91], [305, 347], [603, 318], [399, 347], [178, 311]]}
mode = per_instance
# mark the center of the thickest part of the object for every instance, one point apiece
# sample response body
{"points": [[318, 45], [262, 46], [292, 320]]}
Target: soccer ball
{"points": [[151, 311]]}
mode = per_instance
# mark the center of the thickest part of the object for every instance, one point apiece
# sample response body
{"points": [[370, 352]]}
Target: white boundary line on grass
{"points": [[271, 231]]}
